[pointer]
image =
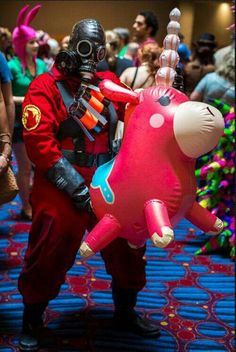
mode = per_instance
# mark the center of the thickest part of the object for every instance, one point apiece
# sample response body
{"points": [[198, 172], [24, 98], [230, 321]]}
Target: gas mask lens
{"points": [[101, 53], [85, 49]]}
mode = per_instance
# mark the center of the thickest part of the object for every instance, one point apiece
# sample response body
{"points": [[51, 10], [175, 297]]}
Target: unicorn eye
{"points": [[164, 100]]}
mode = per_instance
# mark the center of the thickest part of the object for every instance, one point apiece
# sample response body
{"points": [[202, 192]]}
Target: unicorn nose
{"points": [[197, 128]]}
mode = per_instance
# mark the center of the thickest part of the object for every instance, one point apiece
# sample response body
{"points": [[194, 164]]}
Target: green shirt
{"points": [[123, 51], [21, 81]]}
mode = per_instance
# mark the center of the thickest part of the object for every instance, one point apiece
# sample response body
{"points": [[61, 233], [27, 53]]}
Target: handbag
{"points": [[8, 186]]}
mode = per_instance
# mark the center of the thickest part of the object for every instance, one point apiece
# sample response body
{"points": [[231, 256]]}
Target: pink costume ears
{"points": [[21, 16], [24, 19], [23, 32], [32, 13]]}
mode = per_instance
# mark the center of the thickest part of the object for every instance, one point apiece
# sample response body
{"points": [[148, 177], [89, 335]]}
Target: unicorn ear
{"points": [[31, 14], [115, 92], [21, 16]]}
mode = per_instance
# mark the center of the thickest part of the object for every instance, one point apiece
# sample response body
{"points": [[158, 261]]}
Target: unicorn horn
{"points": [[169, 58]]}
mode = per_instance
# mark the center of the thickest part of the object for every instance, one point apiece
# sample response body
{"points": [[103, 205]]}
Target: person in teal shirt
{"points": [[24, 67], [123, 34], [20, 83]]}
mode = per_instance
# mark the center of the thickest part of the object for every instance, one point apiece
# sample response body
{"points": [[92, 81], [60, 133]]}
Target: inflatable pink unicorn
{"points": [[23, 32], [150, 185]]}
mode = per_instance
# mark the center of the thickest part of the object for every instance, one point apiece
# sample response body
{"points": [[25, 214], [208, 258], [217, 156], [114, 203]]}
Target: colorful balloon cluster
{"points": [[217, 193]]}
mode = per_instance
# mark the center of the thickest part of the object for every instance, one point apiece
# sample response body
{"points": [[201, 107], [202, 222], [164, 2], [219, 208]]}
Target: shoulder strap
{"points": [[112, 125], [65, 94], [135, 75], [113, 118], [64, 91], [145, 81]]}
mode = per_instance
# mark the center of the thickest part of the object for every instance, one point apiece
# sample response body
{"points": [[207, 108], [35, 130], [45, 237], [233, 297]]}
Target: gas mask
{"points": [[86, 48]]}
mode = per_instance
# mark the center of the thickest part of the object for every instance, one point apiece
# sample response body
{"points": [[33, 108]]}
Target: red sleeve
{"points": [[120, 107], [108, 75], [41, 121]]}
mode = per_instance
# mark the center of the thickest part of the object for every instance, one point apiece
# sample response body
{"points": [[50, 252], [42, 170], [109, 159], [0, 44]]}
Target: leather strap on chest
{"points": [[68, 99]]}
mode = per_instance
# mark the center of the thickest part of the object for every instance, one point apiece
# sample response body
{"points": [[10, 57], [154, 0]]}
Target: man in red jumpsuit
{"points": [[66, 143]]}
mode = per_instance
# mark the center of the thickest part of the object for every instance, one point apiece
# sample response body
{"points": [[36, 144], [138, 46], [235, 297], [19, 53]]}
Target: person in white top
{"points": [[144, 75]]}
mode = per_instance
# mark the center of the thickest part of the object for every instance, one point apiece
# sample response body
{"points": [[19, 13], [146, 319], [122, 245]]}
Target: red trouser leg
{"points": [[125, 264], [54, 239]]}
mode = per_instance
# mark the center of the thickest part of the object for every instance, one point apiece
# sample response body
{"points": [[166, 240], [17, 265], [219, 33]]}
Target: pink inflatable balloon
{"points": [[171, 41], [150, 185], [165, 76], [173, 27], [175, 14], [168, 58]]}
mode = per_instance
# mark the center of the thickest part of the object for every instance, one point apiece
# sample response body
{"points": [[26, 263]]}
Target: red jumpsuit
{"points": [[57, 226]]}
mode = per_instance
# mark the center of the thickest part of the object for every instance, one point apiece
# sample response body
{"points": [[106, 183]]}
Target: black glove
{"points": [[81, 198], [66, 178]]}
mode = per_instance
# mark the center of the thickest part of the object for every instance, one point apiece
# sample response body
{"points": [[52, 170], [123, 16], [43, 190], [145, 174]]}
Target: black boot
{"points": [[32, 326], [125, 317]]}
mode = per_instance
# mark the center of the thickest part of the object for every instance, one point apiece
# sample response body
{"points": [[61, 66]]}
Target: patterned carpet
{"points": [[191, 297]]}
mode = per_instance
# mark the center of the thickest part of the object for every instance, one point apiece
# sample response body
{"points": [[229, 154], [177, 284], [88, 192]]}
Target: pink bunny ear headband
{"points": [[23, 32]]}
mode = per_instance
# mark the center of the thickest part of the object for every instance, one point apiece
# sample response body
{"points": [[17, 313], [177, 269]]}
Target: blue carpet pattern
{"points": [[191, 297]]}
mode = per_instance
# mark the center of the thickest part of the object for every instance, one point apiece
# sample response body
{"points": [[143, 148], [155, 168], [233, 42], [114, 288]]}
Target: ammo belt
{"points": [[86, 159]]}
